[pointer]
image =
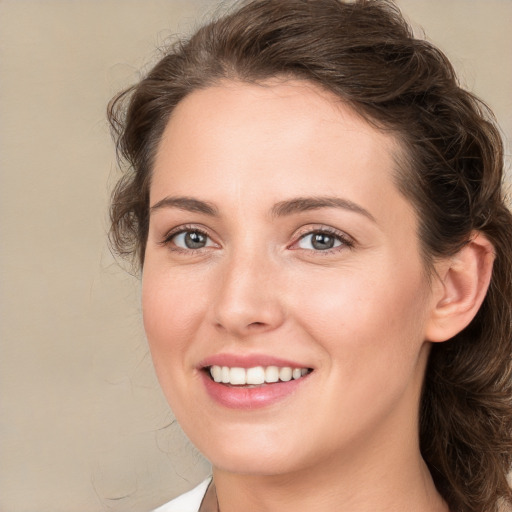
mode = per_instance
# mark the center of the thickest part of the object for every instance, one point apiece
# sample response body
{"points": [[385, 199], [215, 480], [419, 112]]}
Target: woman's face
{"points": [[278, 241]]}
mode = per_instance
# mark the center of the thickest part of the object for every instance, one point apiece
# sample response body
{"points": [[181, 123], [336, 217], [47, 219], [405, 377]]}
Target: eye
{"points": [[323, 240], [319, 241], [191, 239]]}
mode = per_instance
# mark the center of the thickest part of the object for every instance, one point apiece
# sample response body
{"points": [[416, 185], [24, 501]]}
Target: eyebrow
{"points": [[188, 204], [281, 209], [303, 204]]}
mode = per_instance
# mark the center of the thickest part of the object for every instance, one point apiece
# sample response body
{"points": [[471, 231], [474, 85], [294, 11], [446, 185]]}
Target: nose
{"points": [[248, 298]]}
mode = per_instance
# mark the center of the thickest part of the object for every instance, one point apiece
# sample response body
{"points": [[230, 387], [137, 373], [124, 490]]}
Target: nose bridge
{"points": [[248, 298]]}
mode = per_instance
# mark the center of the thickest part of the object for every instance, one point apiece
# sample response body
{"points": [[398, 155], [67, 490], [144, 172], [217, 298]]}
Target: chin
{"points": [[255, 452]]}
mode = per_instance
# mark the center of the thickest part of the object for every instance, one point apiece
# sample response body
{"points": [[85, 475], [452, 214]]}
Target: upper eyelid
{"points": [[183, 229], [310, 229]]}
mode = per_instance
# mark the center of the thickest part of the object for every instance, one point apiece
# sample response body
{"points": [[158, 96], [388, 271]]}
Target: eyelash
{"points": [[345, 241], [168, 239]]}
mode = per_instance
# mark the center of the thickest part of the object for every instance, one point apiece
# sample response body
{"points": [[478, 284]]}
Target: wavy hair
{"points": [[366, 54]]}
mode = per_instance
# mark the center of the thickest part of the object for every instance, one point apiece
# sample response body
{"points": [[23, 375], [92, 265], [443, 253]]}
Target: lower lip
{"points": [[240, 397]]}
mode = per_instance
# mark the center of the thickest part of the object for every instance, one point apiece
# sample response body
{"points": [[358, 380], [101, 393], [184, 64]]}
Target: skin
{"points": [[359, 314]]}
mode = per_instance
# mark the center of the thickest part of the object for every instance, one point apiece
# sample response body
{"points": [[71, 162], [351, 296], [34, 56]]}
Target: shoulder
{"points": [[188, 502]]}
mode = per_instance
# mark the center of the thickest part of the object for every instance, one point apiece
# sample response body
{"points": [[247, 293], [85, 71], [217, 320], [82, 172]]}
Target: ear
{"points": [[460, 288]]}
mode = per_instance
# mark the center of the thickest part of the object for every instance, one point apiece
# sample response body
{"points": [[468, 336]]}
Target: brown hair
{"points": [[366, 54]]}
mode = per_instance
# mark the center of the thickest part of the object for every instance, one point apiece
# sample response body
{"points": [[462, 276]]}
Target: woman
{"points": [[327, 262]]}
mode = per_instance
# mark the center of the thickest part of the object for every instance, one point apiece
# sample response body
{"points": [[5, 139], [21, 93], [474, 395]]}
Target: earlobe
{"points": [[462, 284]]}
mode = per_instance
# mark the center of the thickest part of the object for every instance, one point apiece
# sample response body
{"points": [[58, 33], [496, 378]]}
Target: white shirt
{"points": [[188, 502]]}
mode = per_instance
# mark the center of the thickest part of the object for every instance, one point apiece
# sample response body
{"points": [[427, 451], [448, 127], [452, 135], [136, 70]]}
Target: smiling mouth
{"points": [[255, 376]]}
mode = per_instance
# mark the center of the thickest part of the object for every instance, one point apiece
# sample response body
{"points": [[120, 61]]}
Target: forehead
{"points": [[280, 109], [267, 141]]}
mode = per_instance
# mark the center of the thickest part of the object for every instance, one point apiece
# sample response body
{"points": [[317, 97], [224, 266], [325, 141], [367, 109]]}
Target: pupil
{"points": [[321, 241], [195, 240]]}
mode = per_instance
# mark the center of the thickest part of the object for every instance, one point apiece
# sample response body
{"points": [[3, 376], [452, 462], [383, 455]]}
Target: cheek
{"points": [[172, 309], [370, 330], [172, 313], [377, 316]]}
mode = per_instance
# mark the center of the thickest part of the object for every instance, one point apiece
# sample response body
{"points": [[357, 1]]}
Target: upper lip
{"points": [[248, 361]]}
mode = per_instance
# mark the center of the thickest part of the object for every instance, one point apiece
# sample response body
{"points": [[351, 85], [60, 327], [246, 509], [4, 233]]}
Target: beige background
{"points": [[83, 425]]}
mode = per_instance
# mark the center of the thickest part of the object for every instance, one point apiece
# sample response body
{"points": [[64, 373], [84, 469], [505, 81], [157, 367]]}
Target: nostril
{"points": [[257, 326]]}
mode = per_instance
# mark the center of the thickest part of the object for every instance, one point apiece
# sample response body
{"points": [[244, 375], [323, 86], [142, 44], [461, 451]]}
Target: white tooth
{"points": [[304, 371], [237, 376], [225, 375], [256, 375], [296, 374], [271, 374], [285, 374], [216, 373]]}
